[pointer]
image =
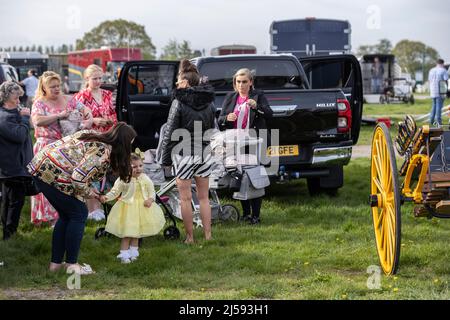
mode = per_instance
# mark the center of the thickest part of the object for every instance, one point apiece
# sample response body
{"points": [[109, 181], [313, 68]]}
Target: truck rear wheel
{"points": [[328, 185]]}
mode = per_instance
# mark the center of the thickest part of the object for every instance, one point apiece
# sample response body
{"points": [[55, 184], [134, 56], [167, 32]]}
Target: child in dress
{"points": [[135, 214]]}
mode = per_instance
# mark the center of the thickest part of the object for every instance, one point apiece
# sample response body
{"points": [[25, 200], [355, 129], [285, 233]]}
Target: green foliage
{"points": [[415, 55], [395, 112], [384, 46], [177, 51], [118, 34]]}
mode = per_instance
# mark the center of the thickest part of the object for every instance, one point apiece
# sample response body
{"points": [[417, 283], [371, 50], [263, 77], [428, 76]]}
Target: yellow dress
{"points": [[132, 219]]}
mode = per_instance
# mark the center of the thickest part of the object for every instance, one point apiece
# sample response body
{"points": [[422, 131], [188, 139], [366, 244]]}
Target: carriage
{"points": [[426, 182]]}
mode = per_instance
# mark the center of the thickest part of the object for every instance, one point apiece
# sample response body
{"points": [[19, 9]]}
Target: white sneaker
{"points": [[133, 253], [124, 256]]}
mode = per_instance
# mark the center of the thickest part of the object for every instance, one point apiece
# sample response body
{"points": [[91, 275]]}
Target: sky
{"points": [[210, 23]]}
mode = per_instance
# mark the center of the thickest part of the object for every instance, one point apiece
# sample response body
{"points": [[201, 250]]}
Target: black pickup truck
{"points": [[317, 104]]}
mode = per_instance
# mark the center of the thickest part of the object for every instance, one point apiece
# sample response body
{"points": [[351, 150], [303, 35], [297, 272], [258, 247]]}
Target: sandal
{"points": [[84, 269]]}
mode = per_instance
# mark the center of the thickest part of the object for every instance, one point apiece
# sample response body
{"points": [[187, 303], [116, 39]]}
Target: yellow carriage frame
{"points": [[386, 197]]}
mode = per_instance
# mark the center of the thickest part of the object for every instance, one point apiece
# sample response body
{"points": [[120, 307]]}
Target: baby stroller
{"points": [[168, 192], [400, 90], [171, 232], [167, 196], [241, 154]]}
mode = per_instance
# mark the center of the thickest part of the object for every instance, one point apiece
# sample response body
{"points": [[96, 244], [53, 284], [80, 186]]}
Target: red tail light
{"points": [[344, 116]]}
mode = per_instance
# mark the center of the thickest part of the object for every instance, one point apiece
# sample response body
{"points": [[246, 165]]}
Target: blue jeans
{"points": [[69, 228], [377, 85], [436, 109]]}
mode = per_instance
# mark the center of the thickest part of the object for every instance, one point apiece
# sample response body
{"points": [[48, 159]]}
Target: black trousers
{"points": [[12, 201], [252, 206]]}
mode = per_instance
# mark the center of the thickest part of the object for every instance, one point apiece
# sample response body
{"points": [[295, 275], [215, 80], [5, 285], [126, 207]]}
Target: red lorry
{"points": [[233, 49], [110, 60]]}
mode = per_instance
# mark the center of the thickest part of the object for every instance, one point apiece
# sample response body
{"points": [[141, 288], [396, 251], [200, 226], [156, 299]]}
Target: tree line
{"points": [[119, 34], [412, 56]]}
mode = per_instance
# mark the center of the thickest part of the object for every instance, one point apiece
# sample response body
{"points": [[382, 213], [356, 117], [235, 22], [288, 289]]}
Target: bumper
{"points": [[331, 156]]}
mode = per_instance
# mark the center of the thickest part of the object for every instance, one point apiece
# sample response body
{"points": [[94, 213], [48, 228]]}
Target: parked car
{"points": [[317, 103], [8, 73]]}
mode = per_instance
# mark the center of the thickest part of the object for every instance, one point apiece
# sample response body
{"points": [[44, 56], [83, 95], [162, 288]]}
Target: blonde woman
{"points": [[246, 108], [50, 106], [99, 101]]}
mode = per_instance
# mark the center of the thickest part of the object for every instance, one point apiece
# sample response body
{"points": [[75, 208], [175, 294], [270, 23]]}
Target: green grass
{"points": [[421, 106], [305, 248], [395, 112]]}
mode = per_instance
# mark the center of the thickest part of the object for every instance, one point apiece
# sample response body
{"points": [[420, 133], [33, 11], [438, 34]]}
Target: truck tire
{"points": [[327, 185]]}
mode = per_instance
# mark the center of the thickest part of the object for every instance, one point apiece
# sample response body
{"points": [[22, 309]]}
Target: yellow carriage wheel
{"points": [[385, 200]]}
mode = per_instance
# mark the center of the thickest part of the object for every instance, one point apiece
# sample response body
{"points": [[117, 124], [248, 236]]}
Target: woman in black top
{"points": [[16, 151], [191, 113], [246, 108]]}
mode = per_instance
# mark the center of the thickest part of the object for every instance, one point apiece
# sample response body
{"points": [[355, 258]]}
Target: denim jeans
{"points": [[377, 85], [436, 109], [69, 228]]}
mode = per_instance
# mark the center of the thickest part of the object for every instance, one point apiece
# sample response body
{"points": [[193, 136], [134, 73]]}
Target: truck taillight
{"points": [[344, 116]]}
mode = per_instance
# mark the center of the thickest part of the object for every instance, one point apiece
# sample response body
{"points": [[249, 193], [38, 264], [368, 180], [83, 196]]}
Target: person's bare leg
{"points": [[56, 266], [125, 244], [205, 207], [134, 242], [184, 188]]}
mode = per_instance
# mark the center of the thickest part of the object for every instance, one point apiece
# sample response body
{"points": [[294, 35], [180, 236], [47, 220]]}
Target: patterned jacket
{"points": [[126, 191], [70, 164]]}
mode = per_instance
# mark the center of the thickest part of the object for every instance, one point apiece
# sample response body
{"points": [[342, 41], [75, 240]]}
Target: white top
{"points": [[436, 75], [31, 84]]}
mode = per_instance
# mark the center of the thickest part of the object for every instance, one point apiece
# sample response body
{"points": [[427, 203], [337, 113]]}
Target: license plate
{"points": [[282, 151]]}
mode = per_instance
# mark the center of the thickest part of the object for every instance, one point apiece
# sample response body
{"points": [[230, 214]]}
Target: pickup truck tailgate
{"points": [[302, 117]]}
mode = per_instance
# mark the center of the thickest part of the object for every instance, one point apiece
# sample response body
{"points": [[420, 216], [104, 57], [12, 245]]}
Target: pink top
{"points": [[241, 105], [104, 110], [52, 131]]}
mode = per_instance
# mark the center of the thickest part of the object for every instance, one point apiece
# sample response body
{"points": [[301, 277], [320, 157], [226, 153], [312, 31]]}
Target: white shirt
{"points": [[436, 75], [31, 84]]}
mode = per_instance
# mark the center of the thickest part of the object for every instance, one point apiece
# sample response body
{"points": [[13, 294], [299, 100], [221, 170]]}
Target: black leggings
{"points": [[252, 206], [12, 201]]}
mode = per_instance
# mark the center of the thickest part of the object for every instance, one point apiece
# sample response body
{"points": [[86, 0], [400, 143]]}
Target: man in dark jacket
{"points": [[16, 152]]}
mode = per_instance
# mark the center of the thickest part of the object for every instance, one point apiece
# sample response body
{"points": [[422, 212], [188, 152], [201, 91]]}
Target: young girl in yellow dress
{"points": [[135, 214]]}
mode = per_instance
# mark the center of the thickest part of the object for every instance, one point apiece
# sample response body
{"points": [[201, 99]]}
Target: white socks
{"points": [[126, 256], [133, 252]]}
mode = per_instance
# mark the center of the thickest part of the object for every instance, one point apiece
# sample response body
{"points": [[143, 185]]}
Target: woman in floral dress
{"points": [[100, 102], [49, 107]]}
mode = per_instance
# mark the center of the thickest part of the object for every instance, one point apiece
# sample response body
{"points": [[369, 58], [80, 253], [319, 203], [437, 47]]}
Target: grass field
{"points": [[395, 112], [305, 248]]}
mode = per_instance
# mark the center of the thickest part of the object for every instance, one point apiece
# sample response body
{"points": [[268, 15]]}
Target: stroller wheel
{"points": [[229, 212], [100, 232], [171, 233]]}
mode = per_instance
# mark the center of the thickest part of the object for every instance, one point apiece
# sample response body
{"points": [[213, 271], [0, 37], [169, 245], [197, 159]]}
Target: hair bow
{"points": [[139, 153]]}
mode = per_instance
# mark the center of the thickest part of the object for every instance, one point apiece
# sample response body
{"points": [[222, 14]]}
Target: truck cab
{"points": [[317, 104]]}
